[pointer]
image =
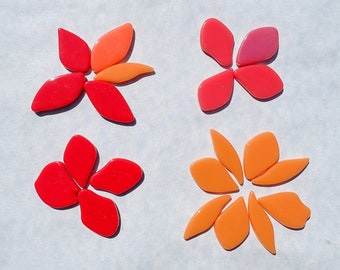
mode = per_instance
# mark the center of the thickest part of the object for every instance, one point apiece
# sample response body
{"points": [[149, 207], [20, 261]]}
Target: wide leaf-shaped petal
{"points": [[123, 72], [259, 45], [227, 154], [211, 176], [260, 81], [55, 186], [74, 53], [232, 226], [281, 172], [216, 91], [117, 176], [98, 213], [205, 217], [286, 208], [260, 153], [112, 47], [58, 92], [261, 224], [217, 41], [109, 102], [80, 157]]}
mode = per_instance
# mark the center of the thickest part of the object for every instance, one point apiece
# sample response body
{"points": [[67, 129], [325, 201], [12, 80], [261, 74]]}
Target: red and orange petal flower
{"points": [[107, 60], [262, 167]]}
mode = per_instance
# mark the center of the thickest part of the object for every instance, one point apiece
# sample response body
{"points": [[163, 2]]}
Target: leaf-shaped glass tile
{"points": [[112, 47], [205, 217], [80, 157], [286, 208], [55, 187], [74, 53], [211, 176], [232, 226], [117, 176], [227, 154], [261, 224], [259, 45], [216, 91], [98, 213], [123, 72], [281, 172], [260, 153], [260, 81], [109, 102], [58, 92], [217, 41]]}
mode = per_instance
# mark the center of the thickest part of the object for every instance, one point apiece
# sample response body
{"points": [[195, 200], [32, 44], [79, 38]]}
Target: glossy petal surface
{"points": [[98, 213], [281, 172], [232, 226], [260, 81], [217, 41], [211, 176], [112, 47], [58, 92], [260, 153], [109, 102], [80, 157], [205, 217], [286, 208], [216, 91], [261, 224], [227, 154], [74, 53], [55, 187], [117, 176], [259, 45]]}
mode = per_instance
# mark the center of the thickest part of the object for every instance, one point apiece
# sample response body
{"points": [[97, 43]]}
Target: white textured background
{"points": [[170, 133]]}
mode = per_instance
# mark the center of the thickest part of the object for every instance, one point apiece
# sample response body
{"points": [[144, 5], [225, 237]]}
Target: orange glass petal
{"points": [[205, 217], [112, 47], [232, 226], [286, 208], [227, 154], [211, 176], [281, 172], [261, 224], [260, 153]]}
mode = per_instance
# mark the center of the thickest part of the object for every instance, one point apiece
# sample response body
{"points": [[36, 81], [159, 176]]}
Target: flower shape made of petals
{"points": [[107, 60], [258, 48], [65, 184], [262, 167]]}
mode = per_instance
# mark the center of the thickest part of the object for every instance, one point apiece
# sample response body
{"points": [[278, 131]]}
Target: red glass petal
{"points": [[98, 213], [216, 91], [58, 92], [117, 176], [55, 187], [260, 81], [217, 41], [74, 53], [80, 157], [259, 45], [109, 102]]}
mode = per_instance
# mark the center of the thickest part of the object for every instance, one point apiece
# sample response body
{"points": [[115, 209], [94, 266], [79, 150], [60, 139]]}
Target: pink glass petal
{"points": [[259, 45], [260, 81], [98, 213], [58, 92], [117, 176], [74, 53], [216, 91], [217, 41], [55, 187], [109, 102], [80, 157]]}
